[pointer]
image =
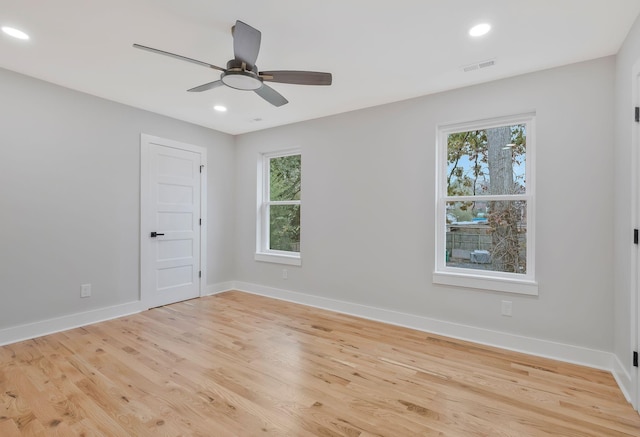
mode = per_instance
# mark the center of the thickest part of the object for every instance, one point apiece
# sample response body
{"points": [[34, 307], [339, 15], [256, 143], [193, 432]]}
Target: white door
{"points": [[171, 221]]}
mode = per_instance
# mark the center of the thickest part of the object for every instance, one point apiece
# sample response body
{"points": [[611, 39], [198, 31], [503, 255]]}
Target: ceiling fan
{"points": [[243, 74]]}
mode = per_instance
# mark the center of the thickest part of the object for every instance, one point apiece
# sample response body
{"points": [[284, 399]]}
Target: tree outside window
{"points": [[280, 182], [486, 199], [284, 203], [487, 162]]}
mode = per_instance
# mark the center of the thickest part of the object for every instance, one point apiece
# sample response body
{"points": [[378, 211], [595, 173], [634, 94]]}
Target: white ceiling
{"points": [[377, 51]]}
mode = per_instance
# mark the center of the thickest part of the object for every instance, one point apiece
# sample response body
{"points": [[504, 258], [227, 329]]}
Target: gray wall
{"points": [[69, 171], [70, 199], [626, 205], [368, 205]]}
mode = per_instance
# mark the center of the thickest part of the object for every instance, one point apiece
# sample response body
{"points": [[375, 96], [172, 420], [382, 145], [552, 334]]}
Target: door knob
{"points": [[155, 234]]}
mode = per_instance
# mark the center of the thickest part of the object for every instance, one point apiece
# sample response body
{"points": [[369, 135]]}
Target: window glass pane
{"points": [[487, 235], [284, 227], [487, 161], [284, 179]]}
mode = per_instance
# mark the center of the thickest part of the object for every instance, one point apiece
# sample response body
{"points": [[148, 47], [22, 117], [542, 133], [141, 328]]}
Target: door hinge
{"points": [[201, 225], [200, 274], [201, 167], [637, 114], [635, 359], [635, 236]]}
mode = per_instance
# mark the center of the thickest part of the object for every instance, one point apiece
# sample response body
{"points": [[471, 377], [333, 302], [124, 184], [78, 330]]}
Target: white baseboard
{"points": [[28, 331], [37, 329], [533, 346], [624, 380], [219, 288]]}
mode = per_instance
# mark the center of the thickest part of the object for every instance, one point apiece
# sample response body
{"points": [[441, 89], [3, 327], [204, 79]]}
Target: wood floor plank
{"points": [[236, 364], [8, 428]]}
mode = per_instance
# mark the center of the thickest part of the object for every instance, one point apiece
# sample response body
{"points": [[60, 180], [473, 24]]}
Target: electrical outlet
{"points": [[285, 274], [85, 290], [506, 308]]}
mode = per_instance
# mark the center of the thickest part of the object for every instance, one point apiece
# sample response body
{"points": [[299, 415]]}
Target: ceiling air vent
{"points": [[479, 65]]}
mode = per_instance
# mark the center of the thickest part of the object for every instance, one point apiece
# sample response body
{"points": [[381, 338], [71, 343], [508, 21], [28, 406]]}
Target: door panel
{"points": [[174, 221], [174, 249], [175, 194], [173, 277]]}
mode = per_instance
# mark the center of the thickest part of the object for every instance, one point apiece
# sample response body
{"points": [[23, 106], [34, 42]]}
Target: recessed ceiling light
{"points": [[220, 108], [480, 29], [15, 32]]}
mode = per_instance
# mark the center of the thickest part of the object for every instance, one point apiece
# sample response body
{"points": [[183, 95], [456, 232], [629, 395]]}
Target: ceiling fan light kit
{"points": [[239, 78], [242, 73]]}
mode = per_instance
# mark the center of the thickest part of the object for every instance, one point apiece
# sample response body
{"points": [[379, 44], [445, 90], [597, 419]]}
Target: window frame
{"points": [[485, 279], [263, 252]]}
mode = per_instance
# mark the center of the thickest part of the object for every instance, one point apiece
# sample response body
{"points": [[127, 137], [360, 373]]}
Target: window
{"points": [[485, 212], [279, 180]]}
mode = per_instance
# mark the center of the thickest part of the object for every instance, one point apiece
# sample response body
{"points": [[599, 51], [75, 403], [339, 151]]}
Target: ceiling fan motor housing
{"points": [[237, 76]]}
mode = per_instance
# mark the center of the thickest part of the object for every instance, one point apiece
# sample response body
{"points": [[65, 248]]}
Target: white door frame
{"points": [[635, 258], [146, 216]]}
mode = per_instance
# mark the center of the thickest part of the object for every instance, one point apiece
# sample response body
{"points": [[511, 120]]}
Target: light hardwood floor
{"points": [[235, 364]]}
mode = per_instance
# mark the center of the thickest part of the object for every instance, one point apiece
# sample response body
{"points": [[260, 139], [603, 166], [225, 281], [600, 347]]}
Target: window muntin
{"points": [[485, 203], [279, 216]]}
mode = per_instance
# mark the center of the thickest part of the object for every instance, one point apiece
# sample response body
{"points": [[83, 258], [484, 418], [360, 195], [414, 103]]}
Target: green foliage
{"points": [[285, 228], [462, 215], [284, 220], [285, 178], [462, 211], [472, 145]]}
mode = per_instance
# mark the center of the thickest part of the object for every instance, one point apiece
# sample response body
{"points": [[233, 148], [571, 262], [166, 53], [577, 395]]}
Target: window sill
{"points": [[292, 260], [486, 283]]}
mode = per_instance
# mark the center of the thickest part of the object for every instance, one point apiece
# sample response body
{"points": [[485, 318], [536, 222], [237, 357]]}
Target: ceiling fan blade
{"points": [[206, 86], [246, 43], [270, 95], [173, 55], [297, 77]]}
